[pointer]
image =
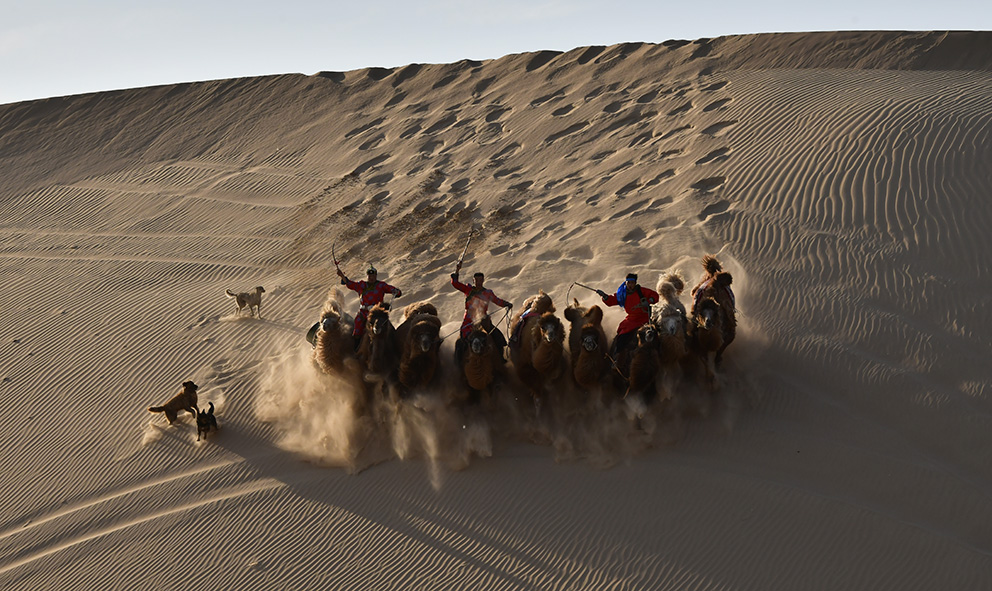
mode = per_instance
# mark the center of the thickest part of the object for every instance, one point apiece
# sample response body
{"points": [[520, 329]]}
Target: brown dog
{"points": [[185, 400], [250, 300]]}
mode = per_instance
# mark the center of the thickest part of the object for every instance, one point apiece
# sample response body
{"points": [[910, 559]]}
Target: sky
{"points": [[60, 47]]}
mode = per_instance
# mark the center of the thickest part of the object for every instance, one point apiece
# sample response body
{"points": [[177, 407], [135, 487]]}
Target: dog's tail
{"points": [[230, 293], [156, 409], [211, 411]]}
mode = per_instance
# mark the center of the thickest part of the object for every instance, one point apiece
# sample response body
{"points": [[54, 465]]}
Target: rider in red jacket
{"points": [[372, 292], [636, 301]]}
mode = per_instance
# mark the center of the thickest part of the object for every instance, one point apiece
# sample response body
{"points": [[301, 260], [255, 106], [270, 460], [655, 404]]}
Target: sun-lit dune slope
{"points": [[843, 178]]}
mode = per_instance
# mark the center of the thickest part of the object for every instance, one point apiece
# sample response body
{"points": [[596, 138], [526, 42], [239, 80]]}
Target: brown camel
{"points": [[539, 357], [419, 343], [645, 363], [587, 345], [481, 363], [706, 336], [333, 341], [378, 351]]}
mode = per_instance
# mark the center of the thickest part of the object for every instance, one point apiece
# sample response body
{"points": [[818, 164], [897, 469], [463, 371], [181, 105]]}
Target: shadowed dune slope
{"points": [[843, 178]]}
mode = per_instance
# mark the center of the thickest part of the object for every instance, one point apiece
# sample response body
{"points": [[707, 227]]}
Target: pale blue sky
{"points": [[60, 47]]}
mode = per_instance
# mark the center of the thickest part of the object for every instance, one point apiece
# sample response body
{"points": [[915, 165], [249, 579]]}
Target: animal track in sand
{"points": [[370, 164], [628, 188], [613, 107], [601, 155], [714, 209], [521, 186], [635, 235], [717, 129], [556, 204], [665, 175], [573, 129], [648, 96], [708, 184], [363, 128], [562, 111], [716, 86], [460, 185], [497, 113], [680, 110], [714, 156], [411, 131], [548, 97], [507, 172], [716, 105], [676, 132], [380, 179], [372, 143], [445, 122], [668, 154]]}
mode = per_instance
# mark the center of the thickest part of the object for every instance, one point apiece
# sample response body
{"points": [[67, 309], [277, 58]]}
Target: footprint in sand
{"points": [[571, 130], [548, 97], [370, 164], [708, 184], [372, 143], [716, 105], [496, 113], [562, 111], [362, 129], [445, 122], [714, 156], [714, 209], [555, 205], [716, 86], [680, 110], [717, 129]]}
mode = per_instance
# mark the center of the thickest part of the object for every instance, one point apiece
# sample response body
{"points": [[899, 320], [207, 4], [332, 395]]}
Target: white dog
{"points": [[250, 300]]}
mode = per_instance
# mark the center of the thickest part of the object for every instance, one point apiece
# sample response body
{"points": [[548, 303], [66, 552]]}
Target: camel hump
{"points": [[419, 308], [711, 264]]}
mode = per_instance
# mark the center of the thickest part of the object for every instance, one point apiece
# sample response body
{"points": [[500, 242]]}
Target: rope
{"points": [[506, 316]]}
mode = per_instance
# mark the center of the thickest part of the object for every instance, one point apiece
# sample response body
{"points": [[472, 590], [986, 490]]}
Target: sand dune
{"points": [[843, 178]]}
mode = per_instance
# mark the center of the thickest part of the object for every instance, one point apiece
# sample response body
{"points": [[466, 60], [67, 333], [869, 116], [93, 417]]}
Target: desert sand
{"points": [[843, 178]]}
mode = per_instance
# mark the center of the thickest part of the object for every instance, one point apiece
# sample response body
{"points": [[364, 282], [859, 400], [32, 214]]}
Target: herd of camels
{"points": [[395, 361]]}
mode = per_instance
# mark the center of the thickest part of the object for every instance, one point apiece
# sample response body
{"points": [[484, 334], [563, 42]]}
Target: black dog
{"points": [[205, 421]]}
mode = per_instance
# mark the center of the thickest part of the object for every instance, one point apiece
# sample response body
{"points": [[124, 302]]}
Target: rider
{"points": [[372, 292], [477, 300], [636, 300]]}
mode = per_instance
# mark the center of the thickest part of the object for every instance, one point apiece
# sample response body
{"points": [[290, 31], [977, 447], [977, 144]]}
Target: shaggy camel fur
{"points": [[706, 335], [670, 318], [481, 362], [251, 300], [587, 345], [718, 290], [334, 342], [419, 342], [540, 358], [645, 362], [184, 400], [378, 351], [535, 305]]}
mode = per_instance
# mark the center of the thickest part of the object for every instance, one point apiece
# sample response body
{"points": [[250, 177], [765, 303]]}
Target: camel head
{"points": [[647, 335], [551, 328], [708, 314], [478, 342], [590, 338], [329, 321], [379, 321]]}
